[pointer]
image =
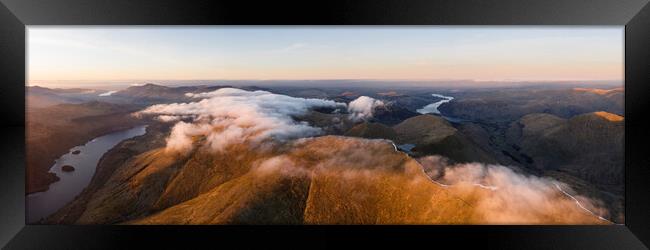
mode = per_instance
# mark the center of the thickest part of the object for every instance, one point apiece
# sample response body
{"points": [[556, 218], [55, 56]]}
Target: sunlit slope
{"points": [[329, 180], [324, 180]]}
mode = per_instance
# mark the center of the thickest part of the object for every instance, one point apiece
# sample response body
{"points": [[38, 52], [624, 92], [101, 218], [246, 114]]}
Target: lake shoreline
{"points": [[153, 138], [30, 189], [38, 177], [71, 184]]}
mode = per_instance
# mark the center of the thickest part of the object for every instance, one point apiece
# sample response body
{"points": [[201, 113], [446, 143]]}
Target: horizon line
{"points": [[335, 79]]}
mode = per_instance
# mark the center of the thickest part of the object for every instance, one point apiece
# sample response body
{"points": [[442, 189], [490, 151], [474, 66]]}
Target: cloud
{"points": [[228, 116], [109, 93], [180, 139], [281, 164], [292, 47], [172, 118], [509, 197], [363, 107]]}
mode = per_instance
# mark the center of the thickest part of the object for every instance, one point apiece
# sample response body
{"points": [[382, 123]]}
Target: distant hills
{"points": [[152, 93], [511, 104], [586, 150], [588, 145], [146, 94], [43, 97], [607, 92]]}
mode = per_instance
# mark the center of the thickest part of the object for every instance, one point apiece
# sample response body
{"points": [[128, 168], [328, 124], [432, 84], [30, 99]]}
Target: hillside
{"points": [[586, 151], [588, 145], [372, 130], [392, 114], [52, 131], [433, 135], [511, 104], [154, 137], [324, 180], [40, 97]]}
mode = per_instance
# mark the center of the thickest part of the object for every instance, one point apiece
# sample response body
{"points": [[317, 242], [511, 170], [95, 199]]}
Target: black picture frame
{"points": [[633, 14]]}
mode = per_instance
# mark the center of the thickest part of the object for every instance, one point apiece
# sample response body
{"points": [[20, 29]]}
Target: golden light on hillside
{"points": [[609, 116], [598, 91]]}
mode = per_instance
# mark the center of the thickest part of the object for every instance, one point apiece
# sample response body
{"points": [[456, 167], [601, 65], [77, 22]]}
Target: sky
{"points": [[481, 53]]}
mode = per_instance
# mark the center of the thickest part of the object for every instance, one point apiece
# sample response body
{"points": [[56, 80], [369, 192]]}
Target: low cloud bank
{"points": [[507, 197], [228, 116]]}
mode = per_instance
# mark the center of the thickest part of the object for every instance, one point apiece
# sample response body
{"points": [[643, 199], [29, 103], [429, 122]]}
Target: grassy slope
{"points": [[330, 180]]}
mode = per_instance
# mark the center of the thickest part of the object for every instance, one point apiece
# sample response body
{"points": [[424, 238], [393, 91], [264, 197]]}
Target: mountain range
{"points": [[374, 170]]}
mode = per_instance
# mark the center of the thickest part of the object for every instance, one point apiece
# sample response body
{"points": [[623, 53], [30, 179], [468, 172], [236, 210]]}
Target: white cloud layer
{"points": [[228, 116], [363, 107]]}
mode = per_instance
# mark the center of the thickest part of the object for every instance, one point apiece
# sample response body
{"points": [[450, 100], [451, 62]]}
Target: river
{"points": [[433, 108], [43, 204]]}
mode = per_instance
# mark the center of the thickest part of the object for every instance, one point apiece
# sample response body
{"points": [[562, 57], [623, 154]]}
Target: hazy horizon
{"points": [[99, 55], [321, 83]]}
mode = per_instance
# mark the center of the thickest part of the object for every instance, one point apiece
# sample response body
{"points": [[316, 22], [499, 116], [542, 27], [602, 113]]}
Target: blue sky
{"points": [[364, 52]]}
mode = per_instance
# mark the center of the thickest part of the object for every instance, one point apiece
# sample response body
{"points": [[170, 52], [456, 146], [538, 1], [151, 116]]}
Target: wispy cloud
{"points": [[291, 47]]}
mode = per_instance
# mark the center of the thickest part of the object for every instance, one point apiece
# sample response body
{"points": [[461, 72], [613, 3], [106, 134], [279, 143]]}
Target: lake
{"points": [[42, 204]]}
